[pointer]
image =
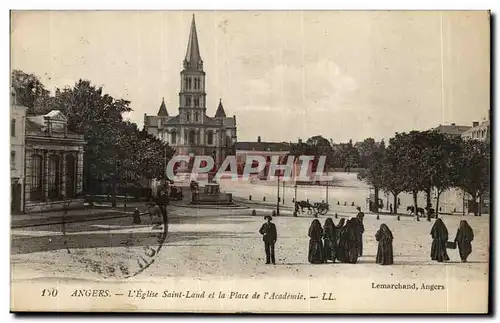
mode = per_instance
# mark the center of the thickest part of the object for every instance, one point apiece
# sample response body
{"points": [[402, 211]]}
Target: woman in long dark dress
{"points": [[385, 255], [316, 252], [330, 240], [439, 235], [464, 237]]}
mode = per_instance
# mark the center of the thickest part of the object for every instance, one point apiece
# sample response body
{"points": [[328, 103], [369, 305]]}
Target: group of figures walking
{"points": [[463, 239], [344, 242]]}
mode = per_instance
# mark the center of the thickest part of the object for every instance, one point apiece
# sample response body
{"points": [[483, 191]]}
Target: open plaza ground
{"points": [[223, 245], [203, 243]]}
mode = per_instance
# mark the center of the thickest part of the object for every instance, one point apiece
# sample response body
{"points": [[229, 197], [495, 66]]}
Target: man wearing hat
{"points": [[269, 235]]}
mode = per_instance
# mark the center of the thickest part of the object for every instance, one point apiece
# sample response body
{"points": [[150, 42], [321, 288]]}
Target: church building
{"points": [[192, 131]]}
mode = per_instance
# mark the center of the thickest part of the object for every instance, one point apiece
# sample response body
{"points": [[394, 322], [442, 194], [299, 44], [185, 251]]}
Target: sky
{"points": [[284, 74]]}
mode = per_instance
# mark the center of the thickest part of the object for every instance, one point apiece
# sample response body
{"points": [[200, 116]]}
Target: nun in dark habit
{"points": [[385, 255], [316, 252], [439, 235], [330, 240], [341, 235], [349, 242], [464, 237]]}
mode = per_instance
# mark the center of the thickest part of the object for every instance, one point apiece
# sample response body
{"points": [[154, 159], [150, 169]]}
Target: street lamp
{"points": [[283, 192], [278, 200], [327, 192]]}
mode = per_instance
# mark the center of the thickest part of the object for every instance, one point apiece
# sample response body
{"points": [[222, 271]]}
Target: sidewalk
{"points": [[56, 217]]}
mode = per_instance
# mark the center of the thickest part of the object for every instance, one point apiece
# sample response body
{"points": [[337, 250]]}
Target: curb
{"points": [[210, 207], [88, 219]]}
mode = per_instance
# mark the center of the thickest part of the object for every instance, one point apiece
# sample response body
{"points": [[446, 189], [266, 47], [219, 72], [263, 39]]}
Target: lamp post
{"points": [[295, 193], [278, 200], [327, 192], [283, 192]]}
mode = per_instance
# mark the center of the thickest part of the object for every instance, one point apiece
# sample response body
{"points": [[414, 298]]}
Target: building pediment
{"points": [[58, 116]]}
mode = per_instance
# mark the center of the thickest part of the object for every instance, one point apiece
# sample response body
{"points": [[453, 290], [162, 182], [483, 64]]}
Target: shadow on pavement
{"points": [[22, 244]]}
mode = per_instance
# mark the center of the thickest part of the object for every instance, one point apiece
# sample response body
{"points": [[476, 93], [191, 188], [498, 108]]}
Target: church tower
{"points": [[192, 131], [192, 108]]}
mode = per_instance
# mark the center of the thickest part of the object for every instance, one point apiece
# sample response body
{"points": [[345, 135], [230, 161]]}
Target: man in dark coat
{"points": [[439, 234], [385, 255], [464, 237], [269, 236]]}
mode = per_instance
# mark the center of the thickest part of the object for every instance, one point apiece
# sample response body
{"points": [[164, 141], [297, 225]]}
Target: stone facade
{"points": [[54, 163], [17, 151], [192, 131]]}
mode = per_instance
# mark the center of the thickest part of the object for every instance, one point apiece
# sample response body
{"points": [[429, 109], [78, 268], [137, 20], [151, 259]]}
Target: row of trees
{"points": [[116, 151], [422, 161], [340, 155], [418, 161]]}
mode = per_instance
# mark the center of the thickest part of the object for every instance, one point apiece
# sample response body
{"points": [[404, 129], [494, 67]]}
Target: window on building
{"points": [[196, 116], [70, 175], [188, 101], [189, 83], [196, 102], [13, 127], [188, 117], [210, 138], [36, 191], [186, 83], [54, 176], [13, 159], [174, 137]]}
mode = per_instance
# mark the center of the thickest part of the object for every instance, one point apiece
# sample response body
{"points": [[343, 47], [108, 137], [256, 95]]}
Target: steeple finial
{"points": [[193, 58]]}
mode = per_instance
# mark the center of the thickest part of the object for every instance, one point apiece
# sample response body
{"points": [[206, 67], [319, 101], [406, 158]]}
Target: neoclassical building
{"points": [[54, 163], [192, 131], [17, 149]]}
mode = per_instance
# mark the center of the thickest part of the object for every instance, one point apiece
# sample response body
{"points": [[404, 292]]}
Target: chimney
{"points": [[258, 139], [475, 123], [453, 124]]}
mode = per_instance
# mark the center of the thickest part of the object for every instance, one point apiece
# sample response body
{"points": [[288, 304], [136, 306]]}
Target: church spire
{"points": [[163, 109], [220, 113], [193, 58]]}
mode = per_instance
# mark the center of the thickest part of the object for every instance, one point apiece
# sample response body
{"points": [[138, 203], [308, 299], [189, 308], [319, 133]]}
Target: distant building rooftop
{"points": [[452, 129], [262, 146]]}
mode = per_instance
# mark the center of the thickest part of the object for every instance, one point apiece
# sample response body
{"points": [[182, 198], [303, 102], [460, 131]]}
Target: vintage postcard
{"points": [[250, 161]]}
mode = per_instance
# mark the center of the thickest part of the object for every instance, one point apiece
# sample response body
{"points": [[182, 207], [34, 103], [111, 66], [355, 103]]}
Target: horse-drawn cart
{"points": [[321, 208], [317, 208]]}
